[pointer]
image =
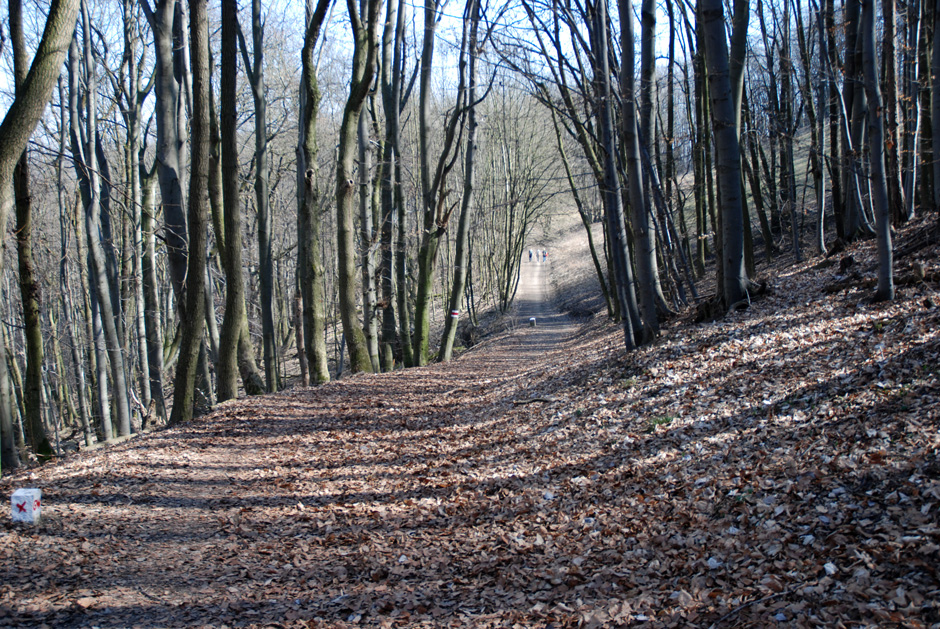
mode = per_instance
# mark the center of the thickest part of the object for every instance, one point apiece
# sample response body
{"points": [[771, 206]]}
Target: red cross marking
{"points": [[21, 506]]}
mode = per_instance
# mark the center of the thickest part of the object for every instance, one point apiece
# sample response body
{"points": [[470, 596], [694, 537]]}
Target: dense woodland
{"points": [[213, 200]]}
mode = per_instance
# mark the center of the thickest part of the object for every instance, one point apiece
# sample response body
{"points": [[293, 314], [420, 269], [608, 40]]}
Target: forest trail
{"points": [[778, 467], [528, 345], [271, 508]]}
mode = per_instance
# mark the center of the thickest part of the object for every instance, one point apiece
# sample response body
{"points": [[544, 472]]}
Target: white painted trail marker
{"points": [[26, 505]]}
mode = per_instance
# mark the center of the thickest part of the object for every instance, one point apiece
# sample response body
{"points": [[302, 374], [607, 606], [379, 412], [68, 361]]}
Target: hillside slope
{"points": [[776, 467]]}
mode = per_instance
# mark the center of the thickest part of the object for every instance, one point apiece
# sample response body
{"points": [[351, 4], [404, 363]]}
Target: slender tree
{"points": [[193, 328], [18, 124], [254, 69], [29, 286], [876, 131], [363, 72], [643, 237], [309, 265], [231, 208], [462, 253], [734, 279]]}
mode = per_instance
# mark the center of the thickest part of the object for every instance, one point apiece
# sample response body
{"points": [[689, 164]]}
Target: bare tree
{"points": [[876, 124], [310, 267], [29, 286], [734, 279], [364, 29], [193, 327], [18, 124]]}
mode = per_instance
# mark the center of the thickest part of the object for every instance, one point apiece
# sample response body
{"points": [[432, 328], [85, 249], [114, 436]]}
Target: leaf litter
{"points": [[778, 467]]}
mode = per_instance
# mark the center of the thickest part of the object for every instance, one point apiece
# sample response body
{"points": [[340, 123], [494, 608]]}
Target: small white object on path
{"points": [[26, 505]]}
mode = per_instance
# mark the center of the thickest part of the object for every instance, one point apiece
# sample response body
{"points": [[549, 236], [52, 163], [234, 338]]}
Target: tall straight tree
{"points": [[364, 30], [643, 237], [89, 161], [18, 124], [166, 24], [390, 85], [309, 265], [254, 68], [462, 253], [733, 286], [29, 286], [435, 213], [613, 210], [231, 204], [193, 327], [876, 131], [393, 259]]}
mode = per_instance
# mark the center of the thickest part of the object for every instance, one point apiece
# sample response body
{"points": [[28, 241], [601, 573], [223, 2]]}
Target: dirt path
{"points": [[367, 500], [774, 468], [529, 344]]}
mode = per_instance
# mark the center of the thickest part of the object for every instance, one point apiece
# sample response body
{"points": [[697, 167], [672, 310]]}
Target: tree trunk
{"points": [[367, 236], [616, 227], [193, 327], [363, 72], [462, 253], [310, 267], [643, 237], [87, 156], [255, 72], [879, 184], [17, 126], [935, 106], [734, 284], [892, 137], [231, 204], [29, 286], [167, 34], [391, 80]]}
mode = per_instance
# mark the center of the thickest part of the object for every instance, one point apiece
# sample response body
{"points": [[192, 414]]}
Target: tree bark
{"points": [[193, 328], [462, 253], [879, 184], [363, 72], [613, 210], [734, 280], [88, 164], [310, 268], [643, 237], [231, 208], [29, 286], [255, 71], [17, 126], [167, 34]]}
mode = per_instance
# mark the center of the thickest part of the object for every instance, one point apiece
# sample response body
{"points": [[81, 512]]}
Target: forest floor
{"points": [[777, 467]]}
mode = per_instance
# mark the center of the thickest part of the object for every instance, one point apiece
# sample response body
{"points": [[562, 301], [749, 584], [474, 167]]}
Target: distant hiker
{"points": [[538, 254], [530, 255], [544, 256]]}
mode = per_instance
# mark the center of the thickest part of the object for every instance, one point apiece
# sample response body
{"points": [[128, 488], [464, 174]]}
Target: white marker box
{"points": [[26, 505]]}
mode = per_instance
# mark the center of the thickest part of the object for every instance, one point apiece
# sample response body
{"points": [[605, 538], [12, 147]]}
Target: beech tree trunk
{"points": [[613, 210], [643, 237], [728, 156], [231, 208], [29, 286], [18, 124], [310, 268], [876, 124], [363, 72], [462, 253], [193, 327]]}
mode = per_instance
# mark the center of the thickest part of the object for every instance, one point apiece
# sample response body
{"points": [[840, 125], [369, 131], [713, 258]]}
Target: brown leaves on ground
{"points": [[778, 467]]}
